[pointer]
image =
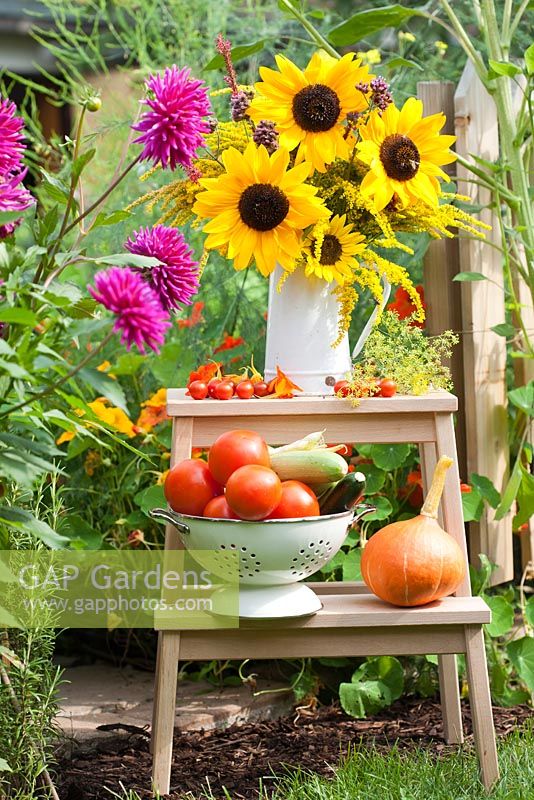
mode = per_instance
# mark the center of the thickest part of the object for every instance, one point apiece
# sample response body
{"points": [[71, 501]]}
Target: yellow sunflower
{"points": [[259, 208], [404, 151], [330, 251], [308, 107]]}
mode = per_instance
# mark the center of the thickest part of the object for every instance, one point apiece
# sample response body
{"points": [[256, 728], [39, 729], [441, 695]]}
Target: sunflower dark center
{"points": [[263, 206], [316, 108], [330, 251], [400, 157]]}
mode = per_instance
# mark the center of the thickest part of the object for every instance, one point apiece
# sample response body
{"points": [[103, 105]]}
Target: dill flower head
{"points": [[141, 318], [175, 280], [11, 137], [173, 126]]}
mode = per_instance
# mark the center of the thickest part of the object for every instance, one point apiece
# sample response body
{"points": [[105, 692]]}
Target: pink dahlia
{"points": [[11, 137], [172, 130], [13, 197], [176, 279], [140, 315]]}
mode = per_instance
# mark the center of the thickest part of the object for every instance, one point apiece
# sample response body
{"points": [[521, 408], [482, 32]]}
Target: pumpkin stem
{"points": [[430, 507]]}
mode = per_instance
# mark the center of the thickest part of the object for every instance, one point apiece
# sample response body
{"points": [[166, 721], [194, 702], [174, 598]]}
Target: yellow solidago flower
{"points": [[308, 107], [369, 56], [258, 208], [404, 152], [330, 251]]}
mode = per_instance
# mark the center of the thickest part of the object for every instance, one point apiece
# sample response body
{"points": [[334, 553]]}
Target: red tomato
{"points": [[342, 388], [253, 492], [245, 390], [298, 500], [261, 389], [189, 486], [387, 387], [218, 508], [235, 449], [198, 390], [224, 390], [211, 386]]}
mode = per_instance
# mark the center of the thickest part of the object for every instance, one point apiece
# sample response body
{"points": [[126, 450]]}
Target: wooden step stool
{"points": [[352, 622]]}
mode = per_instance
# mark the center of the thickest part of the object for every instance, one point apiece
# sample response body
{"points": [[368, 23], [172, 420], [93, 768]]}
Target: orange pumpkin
{"points": [[413, 562]]}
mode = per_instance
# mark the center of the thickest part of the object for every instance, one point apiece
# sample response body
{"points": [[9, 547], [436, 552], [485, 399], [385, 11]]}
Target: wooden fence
{"points": [[472, 309]]}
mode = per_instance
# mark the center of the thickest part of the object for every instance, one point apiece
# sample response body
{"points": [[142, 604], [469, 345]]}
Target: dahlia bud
{"points": [[239, 103], [267, 135]]}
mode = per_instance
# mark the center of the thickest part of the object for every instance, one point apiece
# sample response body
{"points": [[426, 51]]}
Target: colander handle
{"points": [[361, 510], [174, 519]]}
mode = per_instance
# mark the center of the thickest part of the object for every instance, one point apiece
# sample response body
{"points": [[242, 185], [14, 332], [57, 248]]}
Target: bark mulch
{"points": [[240, 756]]}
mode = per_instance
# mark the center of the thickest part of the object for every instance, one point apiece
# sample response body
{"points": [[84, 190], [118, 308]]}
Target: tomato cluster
{"points": [[223, 389], [383, 388], [237, 483]]}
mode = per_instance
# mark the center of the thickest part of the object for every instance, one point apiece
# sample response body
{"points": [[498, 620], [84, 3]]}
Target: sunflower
{"points": [[258, 208], [330, 251], [308, 107], [404, 152]]}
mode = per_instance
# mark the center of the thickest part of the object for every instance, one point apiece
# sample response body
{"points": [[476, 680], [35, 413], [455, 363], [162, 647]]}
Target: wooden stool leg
{"points": [[449, 689], [164, 709], [480, 702]]}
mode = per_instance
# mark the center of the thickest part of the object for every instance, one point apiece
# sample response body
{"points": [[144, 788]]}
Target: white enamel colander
{"points": [[274, 555]]}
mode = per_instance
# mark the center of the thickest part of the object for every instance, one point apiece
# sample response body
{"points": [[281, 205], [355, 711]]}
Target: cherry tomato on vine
{"points": [[218, 508], [387, 387], [261, 389], [253, 491], [245, 390], [234, 449], [342, 388], [189, 486], [198, 390], [224, 390]]}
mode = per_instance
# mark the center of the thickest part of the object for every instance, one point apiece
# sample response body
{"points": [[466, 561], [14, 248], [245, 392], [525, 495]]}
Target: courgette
{"points": [[344, 495], [309, 466]]}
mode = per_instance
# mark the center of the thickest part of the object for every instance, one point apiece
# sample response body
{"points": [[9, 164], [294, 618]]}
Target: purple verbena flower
{"points": [[11, 136], [239, 103], [172, 129], [175, 280], [381, 95], [140, 315]]}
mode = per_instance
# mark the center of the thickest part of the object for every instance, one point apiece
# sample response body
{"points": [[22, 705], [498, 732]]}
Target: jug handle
{"points": [[364, 335]]}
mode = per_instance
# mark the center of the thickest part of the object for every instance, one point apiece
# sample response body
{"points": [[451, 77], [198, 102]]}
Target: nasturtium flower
{"points": [[259, 208], [404, 152], [309, 106], [330, 254]]}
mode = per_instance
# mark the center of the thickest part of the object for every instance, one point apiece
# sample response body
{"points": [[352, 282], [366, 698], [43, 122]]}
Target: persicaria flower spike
{"points": [[141, 318], [173, 127], [11, 137], [175, 280]]}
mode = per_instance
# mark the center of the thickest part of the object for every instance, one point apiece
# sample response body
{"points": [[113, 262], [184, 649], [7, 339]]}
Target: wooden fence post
{"points": [[483, 307]]}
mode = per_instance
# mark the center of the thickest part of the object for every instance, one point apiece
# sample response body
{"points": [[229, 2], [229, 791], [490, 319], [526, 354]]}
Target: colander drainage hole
{"points": [[256, 570], [294, 559], [320, 541], [223, 547], [233, 546], [258, 563], [311, 544], [317, 552], [244, 549], [250, 574], [301, 552], [253, 555]]}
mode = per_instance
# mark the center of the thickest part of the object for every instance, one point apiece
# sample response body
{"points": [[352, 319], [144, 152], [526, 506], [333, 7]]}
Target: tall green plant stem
{"points": [[306, 24]]}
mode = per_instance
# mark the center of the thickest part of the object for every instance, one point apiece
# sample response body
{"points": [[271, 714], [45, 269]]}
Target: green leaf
{"points": [[510, 492], [386, 456], [523, 398], [374, 685], [81, 162], [521, 654], [4, 766], [351, 565], [383, 509], [480, 578], [472, 505], [125, 260], [374, 478], [9, 216], [498, 69], [25, 443], [469, 277], [504, 329], [150, 498], [364, 23], [403, 63], [110, 219], [13, 369], [18, 316], [106, 386], [19, 518], [128, 364], [79, 532], [486, 489], [529, 611], [502, 615], [525, 499], [529, 59], [238, 54]]}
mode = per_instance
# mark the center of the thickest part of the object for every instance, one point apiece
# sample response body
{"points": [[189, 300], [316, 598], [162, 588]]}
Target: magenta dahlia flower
{"points": [[172, 129], [11, 136], [13, 197], [140, 315], [176, 279]]}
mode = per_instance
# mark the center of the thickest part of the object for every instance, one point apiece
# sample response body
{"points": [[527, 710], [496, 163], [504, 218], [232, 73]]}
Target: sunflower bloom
{"points": [[258, 208], [404, 152], [308, 107], [330, 254]]}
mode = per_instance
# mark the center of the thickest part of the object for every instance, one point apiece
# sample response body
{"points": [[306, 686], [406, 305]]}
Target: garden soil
{"points": [[239, 757]]}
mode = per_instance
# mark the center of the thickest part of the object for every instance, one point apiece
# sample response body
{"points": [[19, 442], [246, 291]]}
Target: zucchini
{"points": [[344, 495], [309, 466]]}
